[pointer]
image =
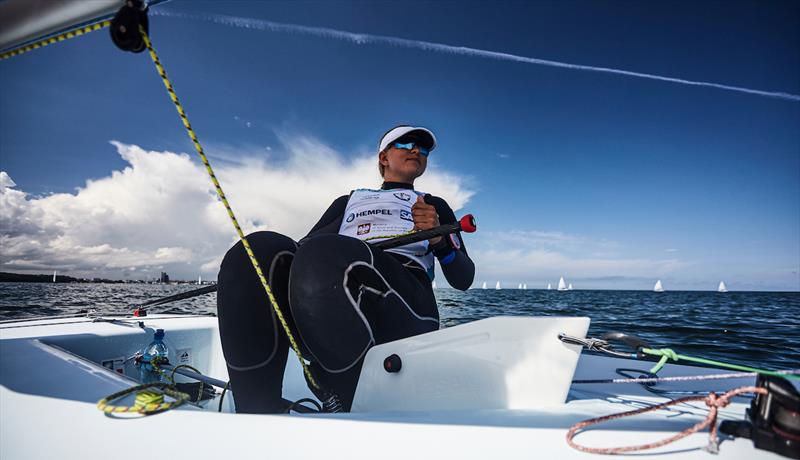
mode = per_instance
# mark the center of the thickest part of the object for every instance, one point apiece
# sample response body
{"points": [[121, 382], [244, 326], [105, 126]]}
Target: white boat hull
{"points": [[48, 408]]}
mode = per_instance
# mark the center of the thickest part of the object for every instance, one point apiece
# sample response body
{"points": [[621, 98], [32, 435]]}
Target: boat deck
{"points": [[51, 380]]}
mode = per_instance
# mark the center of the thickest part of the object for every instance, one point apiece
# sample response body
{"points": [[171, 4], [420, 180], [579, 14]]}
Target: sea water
{"points": [[751, 328]]}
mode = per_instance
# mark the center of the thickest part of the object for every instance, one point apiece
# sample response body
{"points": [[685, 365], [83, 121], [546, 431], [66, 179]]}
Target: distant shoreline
{"points": [[6, 277]]}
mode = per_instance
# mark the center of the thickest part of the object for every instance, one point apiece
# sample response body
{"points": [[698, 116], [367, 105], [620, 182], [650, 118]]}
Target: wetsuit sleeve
{"points": [[458, 268], [331, 220]]}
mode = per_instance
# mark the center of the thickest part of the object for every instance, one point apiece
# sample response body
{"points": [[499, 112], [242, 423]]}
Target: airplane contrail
{"points": [[368, 39]]}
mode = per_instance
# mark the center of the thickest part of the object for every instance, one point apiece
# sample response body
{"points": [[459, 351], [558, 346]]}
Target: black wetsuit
{"points": [[340, 296]]}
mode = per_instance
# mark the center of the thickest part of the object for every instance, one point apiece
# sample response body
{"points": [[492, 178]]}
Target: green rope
{"points": [[667, 354]]}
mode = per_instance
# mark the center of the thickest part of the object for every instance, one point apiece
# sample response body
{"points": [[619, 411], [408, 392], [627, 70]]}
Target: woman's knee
{"points": [[264, 244]]}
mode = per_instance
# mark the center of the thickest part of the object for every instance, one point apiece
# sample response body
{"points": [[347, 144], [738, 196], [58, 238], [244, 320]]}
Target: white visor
{"points": [[400, 131]]}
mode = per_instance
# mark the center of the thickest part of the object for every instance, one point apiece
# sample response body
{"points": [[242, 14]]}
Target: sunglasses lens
{"points": [[410, 145]]}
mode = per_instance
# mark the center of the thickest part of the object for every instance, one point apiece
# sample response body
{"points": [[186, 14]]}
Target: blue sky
{"points": [[609, 180]]}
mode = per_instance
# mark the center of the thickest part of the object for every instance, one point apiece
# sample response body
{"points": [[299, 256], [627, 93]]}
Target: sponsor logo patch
{"points": [[369, 212], [402, 196], [363, 229], [406, 215]]}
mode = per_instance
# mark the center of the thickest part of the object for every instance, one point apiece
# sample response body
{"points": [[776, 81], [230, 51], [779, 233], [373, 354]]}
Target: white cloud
{"points": [[538, 257], [161, 210], [5, 181], [161, 213]]}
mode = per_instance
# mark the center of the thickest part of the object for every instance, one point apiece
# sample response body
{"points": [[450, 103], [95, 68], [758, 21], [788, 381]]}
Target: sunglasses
{"points": [[410, 145]]}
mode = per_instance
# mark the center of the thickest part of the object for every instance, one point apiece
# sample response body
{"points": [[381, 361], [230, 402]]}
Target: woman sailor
{"points": [[342, 295]]}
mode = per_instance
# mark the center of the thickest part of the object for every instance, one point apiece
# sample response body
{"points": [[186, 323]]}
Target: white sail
{"points": [[722, 287], [524, 286], [569, 288], [200, 279], [658, 287], [497, 286], [520, 286], [549, 286], [54, 276], [484, 285], [562, 286]]}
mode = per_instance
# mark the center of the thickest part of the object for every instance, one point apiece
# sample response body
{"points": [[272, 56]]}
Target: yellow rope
{"points": [[54, 39], [221, 194], [147, 402], [203, 158]]}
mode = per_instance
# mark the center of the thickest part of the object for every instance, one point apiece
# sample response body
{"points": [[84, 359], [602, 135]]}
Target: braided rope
{"points": [[713, 402], [223, 198], [54, 39], [147, 402], [666, 354]]}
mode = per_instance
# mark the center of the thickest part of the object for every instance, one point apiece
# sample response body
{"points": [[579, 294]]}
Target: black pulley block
{"points": [[125, 26], [773, 419]]}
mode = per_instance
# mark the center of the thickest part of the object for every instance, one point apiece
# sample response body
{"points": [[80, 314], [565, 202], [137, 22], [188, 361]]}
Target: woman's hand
{"points": [[425, 217]]}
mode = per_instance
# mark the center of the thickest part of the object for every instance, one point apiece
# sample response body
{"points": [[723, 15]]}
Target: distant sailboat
{"points": [[200, 279], [562, 286], [524, 286], [520, 286], [722, 287], [497, 286], [549, 286], [569, 288], [484, 285], [658, 287], [54, 276]]}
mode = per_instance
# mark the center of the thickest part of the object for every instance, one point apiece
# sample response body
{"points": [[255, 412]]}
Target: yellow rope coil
{"points": [[54, 39], [221, 194], [147, 401]]}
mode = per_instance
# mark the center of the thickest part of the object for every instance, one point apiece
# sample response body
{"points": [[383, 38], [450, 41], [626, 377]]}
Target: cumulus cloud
{"points": [[161, 213]]}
